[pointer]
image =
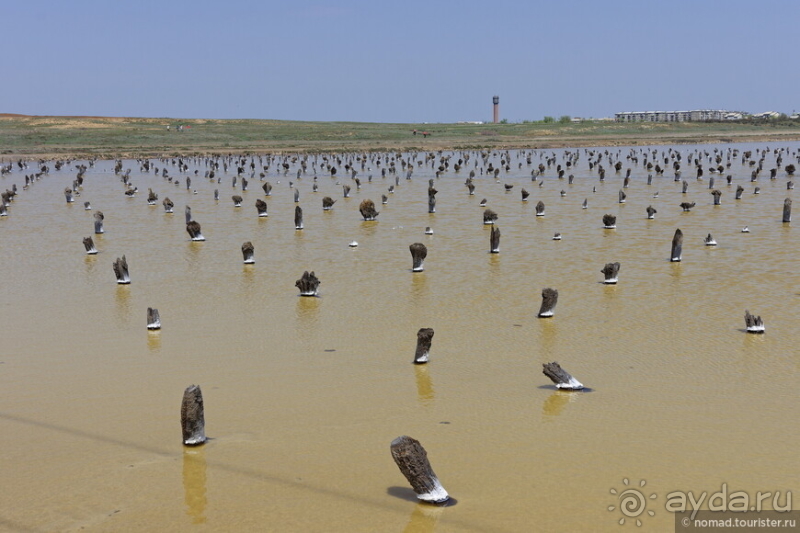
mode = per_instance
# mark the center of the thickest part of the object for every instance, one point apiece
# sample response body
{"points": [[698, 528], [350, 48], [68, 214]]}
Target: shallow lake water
{"points": [[304, 395]]}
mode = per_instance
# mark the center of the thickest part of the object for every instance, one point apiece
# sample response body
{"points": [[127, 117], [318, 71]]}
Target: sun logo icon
{"points": [[632, 502]]}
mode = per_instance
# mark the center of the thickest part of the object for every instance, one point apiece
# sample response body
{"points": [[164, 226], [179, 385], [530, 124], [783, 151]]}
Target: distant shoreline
{"points": [[73, 137]]}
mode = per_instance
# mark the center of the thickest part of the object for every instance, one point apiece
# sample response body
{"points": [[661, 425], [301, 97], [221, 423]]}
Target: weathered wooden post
{"points": [[424, 339], [709, 241], [327, 203], [489, 217], [609, 221], [98, 223], [685, 186], [188, 214], [622, 196], [432, 199], [677, 246], [651, 212], [346, 190], [367, 209], [418, 254], [261, 208], [88, 243], [237, 200], [298, 217], [267, 188], [152, 197], [86, 205], [494, 240], [739, 191], [585, 204], [168, 205], [540, 209], [525, 195], [153, 319], [68, 194], [296, 195], [611, 273], [216, 195], [787, 210], [412, 460], [308, 284], [121, 271], [248, 251], [560, 377], [753, 324], [193, 229], [193, 422], [549, 301], [384, 199]]}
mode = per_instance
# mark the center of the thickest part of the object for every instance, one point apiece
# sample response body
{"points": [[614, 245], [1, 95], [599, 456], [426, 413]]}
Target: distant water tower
{"points": [[496, 106]]}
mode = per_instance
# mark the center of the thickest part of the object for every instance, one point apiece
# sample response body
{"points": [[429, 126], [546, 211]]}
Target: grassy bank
{"points": [[38, 136]]}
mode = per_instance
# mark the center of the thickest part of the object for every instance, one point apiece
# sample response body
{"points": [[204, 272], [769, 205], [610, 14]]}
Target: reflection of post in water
{"points": [[556, 402], [194, 484], [153, 340], [424, 518], [424, 384], [123, 298], [548, 333], [419, 286], [307, 312]]}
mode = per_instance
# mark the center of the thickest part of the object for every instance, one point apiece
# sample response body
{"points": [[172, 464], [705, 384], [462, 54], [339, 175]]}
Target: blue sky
{"points": [[409, 61]]}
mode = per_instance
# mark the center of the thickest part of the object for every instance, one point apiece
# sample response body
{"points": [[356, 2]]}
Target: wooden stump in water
{"points": [[168, 205], [121, 271], [609, 221], [98, 223], [709, 241], [685, 186], [327, 203], [346, 190], [193, 422], [267, 188], [308, 284], [622, 196], [739, 191], [677, 246], [716, 194], [753, 323], [296, 195], [298, 217], [540, 209], [418, 254], [88, 243], [489, 216], [237, 200], [561, 378], [68, 195], [787, 210], [367, 209], [424, 340], [188, 214], [193, 229], [152, 197], [494, 240], [611, 273], [525, 195], [651, 212], [261, 207], [549, 301], [412, 460], [153, 319], [86, 205], [247, 252]]}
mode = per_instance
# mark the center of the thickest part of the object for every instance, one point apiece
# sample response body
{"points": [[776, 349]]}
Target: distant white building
{"points": [[697, 115], [767, 114]]}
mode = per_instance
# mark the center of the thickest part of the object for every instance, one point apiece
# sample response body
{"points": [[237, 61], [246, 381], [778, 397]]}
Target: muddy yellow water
{"points": [[304, 395]]}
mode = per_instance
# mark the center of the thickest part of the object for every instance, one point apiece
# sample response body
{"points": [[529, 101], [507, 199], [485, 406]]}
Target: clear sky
{"points": [[398, 61]]}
